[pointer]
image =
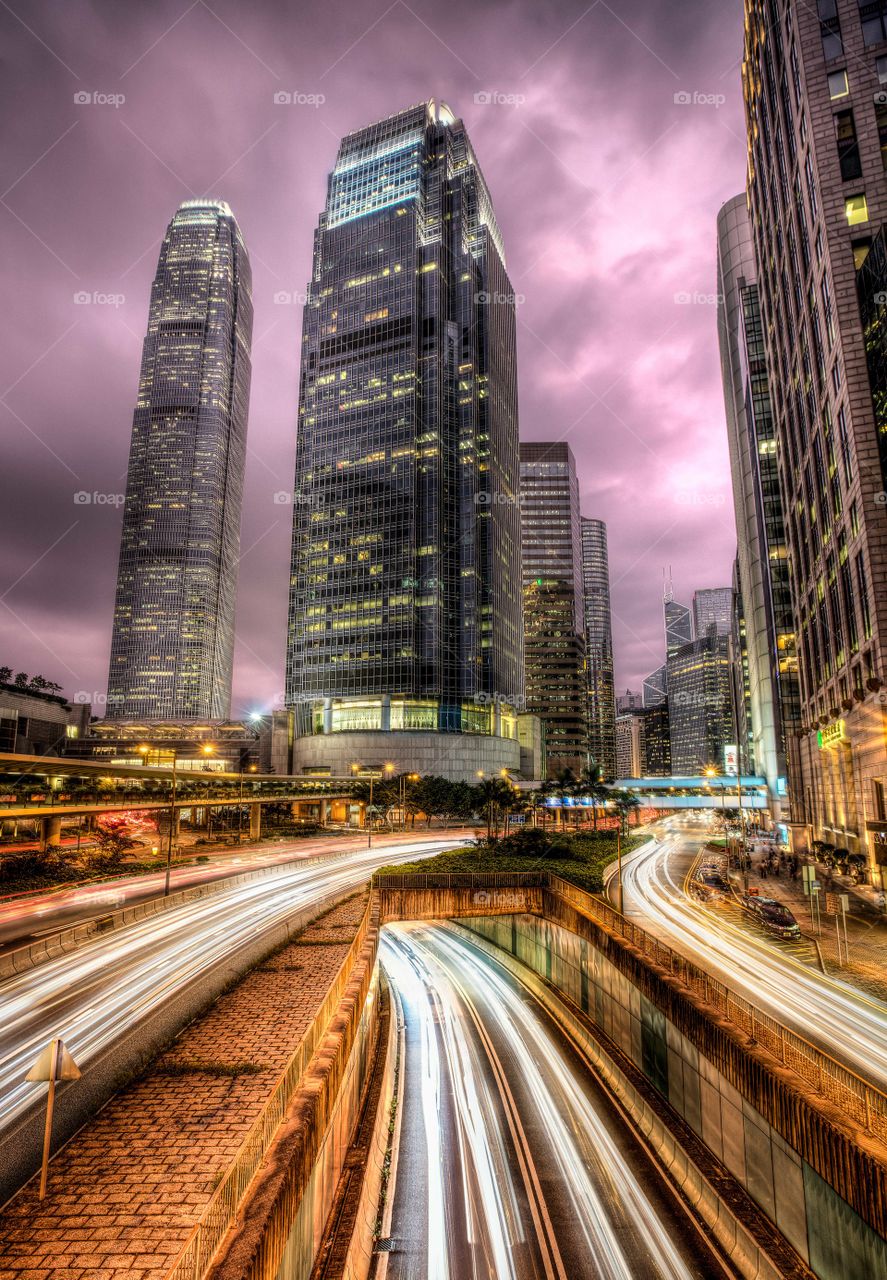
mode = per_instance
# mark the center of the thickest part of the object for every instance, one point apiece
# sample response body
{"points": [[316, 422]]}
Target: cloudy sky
{"points": [[610, 136]]}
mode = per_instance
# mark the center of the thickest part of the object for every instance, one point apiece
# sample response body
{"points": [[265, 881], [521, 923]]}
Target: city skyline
{"points": [[108, 232]]}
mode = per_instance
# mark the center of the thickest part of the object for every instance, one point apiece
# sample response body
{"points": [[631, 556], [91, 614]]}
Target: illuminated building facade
{"points": [[173, 638], [766, 678], [814, 80], [700, 705], [713, 607], [554, 641], [599, 646], [405, 640]]}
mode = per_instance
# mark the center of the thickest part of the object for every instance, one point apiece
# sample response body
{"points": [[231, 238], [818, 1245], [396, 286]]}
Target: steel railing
{"points": [[858, 1098], [217, 1218]]}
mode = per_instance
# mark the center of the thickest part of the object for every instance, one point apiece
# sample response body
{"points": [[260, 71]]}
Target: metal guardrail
{"points": [[218, 1216], [857, 1097]]}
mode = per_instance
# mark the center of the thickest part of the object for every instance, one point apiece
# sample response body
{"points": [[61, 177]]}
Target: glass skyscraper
{"points": [[173, 639], [713, 607], [405, 608], [554, 622], [678, 622], [599, 646]]}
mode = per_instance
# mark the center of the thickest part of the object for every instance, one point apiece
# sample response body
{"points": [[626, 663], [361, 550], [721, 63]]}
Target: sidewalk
{"points": [[866, 932]]}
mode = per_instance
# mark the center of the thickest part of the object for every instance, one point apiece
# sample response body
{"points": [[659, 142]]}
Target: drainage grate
{"points": [[386, 1246]]}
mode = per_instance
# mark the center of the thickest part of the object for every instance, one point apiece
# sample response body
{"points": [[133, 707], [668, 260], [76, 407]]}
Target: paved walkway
{"points": [[866, 931], [126, 1190]]}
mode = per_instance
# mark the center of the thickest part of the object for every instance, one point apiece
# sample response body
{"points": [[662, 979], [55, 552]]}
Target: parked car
{"points": [[772, 915]]}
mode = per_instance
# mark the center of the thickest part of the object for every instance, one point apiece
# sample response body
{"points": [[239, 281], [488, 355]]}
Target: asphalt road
{"points": [[28, 916], [511, 1163], [837, 1016], [95, 995]]}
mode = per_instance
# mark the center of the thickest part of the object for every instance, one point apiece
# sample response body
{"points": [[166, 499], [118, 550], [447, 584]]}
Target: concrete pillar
{"points": [[497, 719], [255, 821], [386, 712], [327, 715], [51, 832], [324, 812]]}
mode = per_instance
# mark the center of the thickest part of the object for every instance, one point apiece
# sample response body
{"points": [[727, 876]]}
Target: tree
{"points": [[593, 787], [625, 803], [496, 796], [5, 675]]}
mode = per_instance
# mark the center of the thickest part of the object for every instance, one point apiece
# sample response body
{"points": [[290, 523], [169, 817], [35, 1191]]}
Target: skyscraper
{"points": [[700, 711], [768, 683], [554, 613], [713, 607], [173, 638], [405, 628], [655, 690], [678, 624], [813, 79], [599, 646]]}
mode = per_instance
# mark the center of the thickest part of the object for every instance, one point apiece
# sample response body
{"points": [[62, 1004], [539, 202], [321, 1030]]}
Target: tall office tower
{"points": [[554, 610], [678, 623], [599, 646], [771, 663], [657, 741], [655, 687], [700, 705], [817, 198], [713, 607], [630, 745], [405, 641], [173, 640], [742, 716]]}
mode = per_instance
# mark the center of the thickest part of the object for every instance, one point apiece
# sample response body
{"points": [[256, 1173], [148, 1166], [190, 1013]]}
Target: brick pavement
{"points": [[127, 1189]]}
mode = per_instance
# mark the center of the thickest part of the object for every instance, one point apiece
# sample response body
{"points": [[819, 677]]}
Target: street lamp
{"points": [[172, 823]]}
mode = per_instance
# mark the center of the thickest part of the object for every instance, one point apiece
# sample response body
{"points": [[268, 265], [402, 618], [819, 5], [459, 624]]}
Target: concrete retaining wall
{"points": [[822, 1227], [281, 1221]]}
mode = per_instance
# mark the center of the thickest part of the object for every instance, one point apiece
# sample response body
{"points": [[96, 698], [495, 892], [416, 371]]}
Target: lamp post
{"points": [[172, 823]]}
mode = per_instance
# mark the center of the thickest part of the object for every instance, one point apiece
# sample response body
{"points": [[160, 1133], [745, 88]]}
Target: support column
{"points": [[324, 812], [51, 833], [255, 821]]}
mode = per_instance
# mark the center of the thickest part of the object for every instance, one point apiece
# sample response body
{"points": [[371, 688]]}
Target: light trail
{"points": [[523, 1172], [838, 1017], [92, 996]]}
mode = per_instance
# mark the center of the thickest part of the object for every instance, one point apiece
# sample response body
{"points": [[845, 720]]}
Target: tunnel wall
{"points": [[823, 1228]]}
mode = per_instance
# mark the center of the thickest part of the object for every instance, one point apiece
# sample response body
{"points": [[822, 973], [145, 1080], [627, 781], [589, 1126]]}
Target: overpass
{"points": [[698, 792]]}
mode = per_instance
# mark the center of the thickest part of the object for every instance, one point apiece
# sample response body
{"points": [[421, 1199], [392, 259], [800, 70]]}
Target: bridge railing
{"points": [[460, 880], [218, 1216], [857, 1097]]}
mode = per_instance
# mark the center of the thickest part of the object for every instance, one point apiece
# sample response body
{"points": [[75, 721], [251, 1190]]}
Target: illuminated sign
{"points": [[731, 759], [831, 734]]}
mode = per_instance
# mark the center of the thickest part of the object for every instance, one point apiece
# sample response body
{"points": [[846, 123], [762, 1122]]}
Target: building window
{"points": [[881, 68], [848, 147], [856, 210], [837, 85], [881, 119], [873, 16], [830, 29]]}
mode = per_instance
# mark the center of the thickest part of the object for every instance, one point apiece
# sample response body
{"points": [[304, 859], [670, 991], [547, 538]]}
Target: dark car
{"points": [[772, 915]]}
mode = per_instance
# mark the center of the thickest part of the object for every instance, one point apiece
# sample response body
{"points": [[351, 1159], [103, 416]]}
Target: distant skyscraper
{"points": [[630, 746], [628, 701], [173, 639], [554, 620], [814, 83], [700, 705], [768, 683], [678, 626], [713, 607], [599, 646], [405, 627], [655, 690], [657, 741]]}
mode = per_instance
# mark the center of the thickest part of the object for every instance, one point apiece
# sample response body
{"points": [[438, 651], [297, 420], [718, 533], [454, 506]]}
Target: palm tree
{"points": [[592, 785], [625, 803], [495, 795]]}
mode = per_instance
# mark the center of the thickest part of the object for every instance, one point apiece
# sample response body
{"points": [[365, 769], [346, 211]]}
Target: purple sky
{"points": [[605, 186]]}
